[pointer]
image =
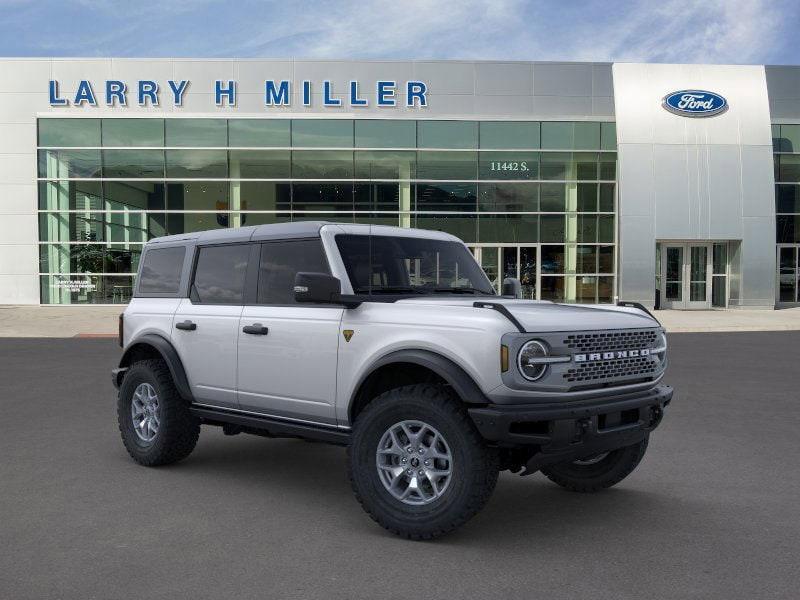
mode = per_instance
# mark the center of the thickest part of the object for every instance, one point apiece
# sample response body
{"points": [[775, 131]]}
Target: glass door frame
{"points": [[795, 248], [685, 303], [477, 250]]}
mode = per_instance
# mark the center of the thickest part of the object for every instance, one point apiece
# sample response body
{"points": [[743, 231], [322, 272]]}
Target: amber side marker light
{"points": [[504, 358]]}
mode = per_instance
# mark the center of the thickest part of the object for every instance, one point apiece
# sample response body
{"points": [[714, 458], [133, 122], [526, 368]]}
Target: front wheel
{"points": [[416, 463], [595, 473]]}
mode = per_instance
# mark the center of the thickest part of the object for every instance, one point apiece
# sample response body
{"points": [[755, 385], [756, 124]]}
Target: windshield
{"points": [[409, 265]]}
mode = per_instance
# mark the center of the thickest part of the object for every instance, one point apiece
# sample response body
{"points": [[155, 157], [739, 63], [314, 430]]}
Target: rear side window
{"points": [[281, 261], [161, 270], [220, 274]]}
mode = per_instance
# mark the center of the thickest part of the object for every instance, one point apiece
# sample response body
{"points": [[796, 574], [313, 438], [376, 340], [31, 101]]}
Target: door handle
{"points": [[255, 329], [186, 326]]}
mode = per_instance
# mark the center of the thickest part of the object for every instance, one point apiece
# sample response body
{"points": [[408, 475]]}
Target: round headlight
{"points": [[526, 360]]}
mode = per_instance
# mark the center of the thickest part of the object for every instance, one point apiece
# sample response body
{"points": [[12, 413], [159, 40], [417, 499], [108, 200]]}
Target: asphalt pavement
{"points": [[712, 511]]}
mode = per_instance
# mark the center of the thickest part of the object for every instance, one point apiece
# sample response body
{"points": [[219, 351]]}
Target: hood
{"points": [[542, 316]]}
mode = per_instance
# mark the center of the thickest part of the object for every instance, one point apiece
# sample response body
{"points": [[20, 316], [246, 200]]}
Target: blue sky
{"points": [[713, 31]]}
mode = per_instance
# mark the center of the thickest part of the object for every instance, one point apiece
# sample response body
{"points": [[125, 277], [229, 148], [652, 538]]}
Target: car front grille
{"points": [[606, 341], [606, 370]]}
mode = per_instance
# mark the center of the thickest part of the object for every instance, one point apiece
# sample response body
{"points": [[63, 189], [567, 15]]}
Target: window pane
{"points": [[552, 228], [556, 165], [385, 165], [587, 136], [586, 259], [605, 289], [790, 138], [608, 166], [133, 195], [587, 197], [133, 163], [605, 228], [787, 198], [585, 166], [553, 259], [133, 132], [70, 195], [322, 164], [558, 135], [463, 227], [509, 165], [161, 271], [193, 222], [243, 219], [509, 197], [63, 133], [260, 164], [508, 228], [509, 134], [322, 196], [197, 163], [608, 136], [789, 168], [447, 165], [447, 134], [280, 263], [379, 133], [606, 197], [86, 289], [262, 195], [256, 133], [197, 195], [62, 164], [787, 230], [322, 133], [461, 197], [720, 262], [382, 196], [553, 289], [553, 197], [219, 275], [585, 289], [127, 227], [196, 132], [587, 228], [606, 259]]}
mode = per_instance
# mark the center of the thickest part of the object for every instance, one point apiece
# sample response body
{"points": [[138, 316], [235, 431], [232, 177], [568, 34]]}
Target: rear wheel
{"points": [[595, 473], [416, 463], [154, 421]]}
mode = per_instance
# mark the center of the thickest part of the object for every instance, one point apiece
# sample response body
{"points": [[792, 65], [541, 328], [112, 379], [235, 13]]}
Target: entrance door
{"points": [[519, 262], [686, 275]]}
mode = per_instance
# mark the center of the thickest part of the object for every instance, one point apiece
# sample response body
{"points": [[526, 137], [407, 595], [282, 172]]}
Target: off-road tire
{"points": [[178, 430], [475, 466], [595, 477]]}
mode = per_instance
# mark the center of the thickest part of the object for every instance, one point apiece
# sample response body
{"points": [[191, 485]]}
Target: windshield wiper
{"points": [[389, 289], [460, 290]]}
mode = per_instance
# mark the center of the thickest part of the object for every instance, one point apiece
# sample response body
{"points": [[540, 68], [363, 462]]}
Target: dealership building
{"points": [[676, 185]]}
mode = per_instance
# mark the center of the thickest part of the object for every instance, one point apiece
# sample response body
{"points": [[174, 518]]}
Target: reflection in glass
{"points": [[382, 164], [147, 164], [199, 164], [260, 164], [503, 135], [322, 164], [63, 164], [460, 197], [322, 197], [464, 227], [447, 134], [70, 195], [383, 133], [196, 132], [133, 132], [447, 165], [322, 133], [65, 133], [508, 197], [257, 133], [513, 228]]}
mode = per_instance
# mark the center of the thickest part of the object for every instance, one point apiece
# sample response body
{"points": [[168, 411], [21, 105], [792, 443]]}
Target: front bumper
{"points": [[563, 431]]}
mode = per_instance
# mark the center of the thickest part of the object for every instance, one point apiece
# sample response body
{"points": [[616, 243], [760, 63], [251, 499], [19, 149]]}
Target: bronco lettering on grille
{"points": [[594, 356]]}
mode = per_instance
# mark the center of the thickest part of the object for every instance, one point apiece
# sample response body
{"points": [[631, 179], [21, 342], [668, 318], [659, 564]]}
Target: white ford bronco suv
{"points": [[392, 342]]}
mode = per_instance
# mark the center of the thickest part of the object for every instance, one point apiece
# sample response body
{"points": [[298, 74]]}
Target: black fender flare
{"points": [[168, 353], [458, 379]]}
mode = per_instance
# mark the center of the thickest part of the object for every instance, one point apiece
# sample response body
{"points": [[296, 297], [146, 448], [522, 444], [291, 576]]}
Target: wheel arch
{"points": [[155, 346], [406, 367]]}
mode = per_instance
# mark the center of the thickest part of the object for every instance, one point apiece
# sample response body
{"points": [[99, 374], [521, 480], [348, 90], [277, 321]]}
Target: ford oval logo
{"points": [[695, 103]]}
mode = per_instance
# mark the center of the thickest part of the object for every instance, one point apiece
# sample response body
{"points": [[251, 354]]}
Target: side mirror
{"points": [[512, 287], [317, 287]]}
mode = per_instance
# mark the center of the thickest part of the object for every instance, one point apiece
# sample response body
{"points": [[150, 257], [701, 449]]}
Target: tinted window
{"points": [[409, 265], [219, 276], [280, 262], [161, 270], [133, 132], [69, 132], [249, 133], [196, 132]]}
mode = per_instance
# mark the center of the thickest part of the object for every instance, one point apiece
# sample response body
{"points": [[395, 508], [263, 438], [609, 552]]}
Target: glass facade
{"points": [[534, 200], [786, 148]]}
